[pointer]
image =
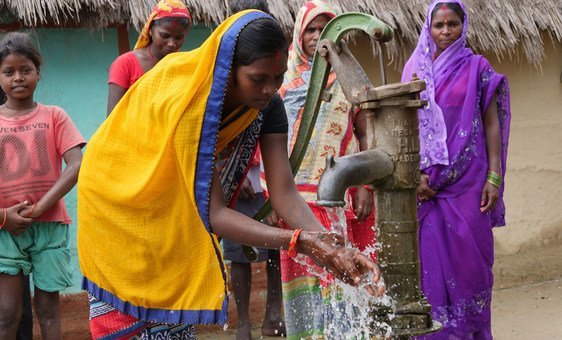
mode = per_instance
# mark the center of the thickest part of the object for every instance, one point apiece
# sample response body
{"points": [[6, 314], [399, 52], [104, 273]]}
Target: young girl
{"points": [[33, 218]]}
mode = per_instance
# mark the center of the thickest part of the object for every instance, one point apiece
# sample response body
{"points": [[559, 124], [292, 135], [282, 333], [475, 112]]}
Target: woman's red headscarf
{"points": [[164, 9]]}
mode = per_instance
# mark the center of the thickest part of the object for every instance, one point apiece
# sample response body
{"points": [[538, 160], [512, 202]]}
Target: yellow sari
{"points": [[145, 244]]}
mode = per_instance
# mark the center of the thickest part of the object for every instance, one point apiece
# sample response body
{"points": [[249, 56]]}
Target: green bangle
{"points": [[494, 175], [494, 183], [494, 178]]}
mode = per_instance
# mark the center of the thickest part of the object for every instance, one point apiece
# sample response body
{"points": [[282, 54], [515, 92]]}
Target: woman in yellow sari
{"points": [[152, 203]]}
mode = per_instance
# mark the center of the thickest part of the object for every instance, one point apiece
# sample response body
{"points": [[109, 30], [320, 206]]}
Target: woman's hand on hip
{"points": [[362, 203], [328, 251], [424, 191], [489, 197]]}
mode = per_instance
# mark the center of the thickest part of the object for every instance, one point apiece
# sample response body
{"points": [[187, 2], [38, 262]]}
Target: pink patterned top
{"points": [[31, 149]]}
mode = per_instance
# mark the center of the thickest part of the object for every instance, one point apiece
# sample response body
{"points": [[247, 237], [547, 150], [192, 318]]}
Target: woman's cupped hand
{"points": [[327, 250]]}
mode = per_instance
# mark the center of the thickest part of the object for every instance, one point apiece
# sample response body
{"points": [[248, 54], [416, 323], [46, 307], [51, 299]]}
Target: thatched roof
{"points": [[508, 28]]}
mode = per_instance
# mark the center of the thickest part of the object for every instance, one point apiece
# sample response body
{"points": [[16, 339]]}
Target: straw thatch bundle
{"points": [[506, 28]]}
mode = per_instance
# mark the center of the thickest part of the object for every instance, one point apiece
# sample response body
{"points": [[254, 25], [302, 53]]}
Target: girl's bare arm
{"points": [[67, 180]]}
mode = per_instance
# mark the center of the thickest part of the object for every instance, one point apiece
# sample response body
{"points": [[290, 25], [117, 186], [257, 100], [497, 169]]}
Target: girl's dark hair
{"points": [[259, 39], [450, 5], [175, 20], [18, 43]]}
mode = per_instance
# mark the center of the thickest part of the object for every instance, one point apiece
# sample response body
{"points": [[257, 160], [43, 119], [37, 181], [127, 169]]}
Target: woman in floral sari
{"points": [[339, 131], [464, 133]]}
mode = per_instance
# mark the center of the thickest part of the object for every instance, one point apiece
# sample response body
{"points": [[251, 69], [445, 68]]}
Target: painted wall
{"points": [[534, 166], [74, 77]]}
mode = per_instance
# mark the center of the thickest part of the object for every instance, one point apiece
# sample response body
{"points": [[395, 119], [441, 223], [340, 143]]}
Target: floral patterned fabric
{"points": [[305, 313]]}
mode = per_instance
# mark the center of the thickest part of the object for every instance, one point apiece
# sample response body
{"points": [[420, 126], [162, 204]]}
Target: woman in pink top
{"points": [[164, 32]]}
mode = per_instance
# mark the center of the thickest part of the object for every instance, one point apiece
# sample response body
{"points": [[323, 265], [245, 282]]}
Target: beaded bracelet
{"points": [[494, 178], [5, 218], [292, 251]]}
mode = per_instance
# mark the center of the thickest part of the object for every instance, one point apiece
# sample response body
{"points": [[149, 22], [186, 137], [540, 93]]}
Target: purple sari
{"points": [[455, 238]]}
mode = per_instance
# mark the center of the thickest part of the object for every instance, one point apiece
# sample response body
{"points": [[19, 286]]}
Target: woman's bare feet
{"points": [[273, 323], [244, 330], [274, 328]]}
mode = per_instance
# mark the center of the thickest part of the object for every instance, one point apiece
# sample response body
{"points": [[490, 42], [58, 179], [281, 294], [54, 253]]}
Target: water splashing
{"points": [[347, 309], [338, 223]]}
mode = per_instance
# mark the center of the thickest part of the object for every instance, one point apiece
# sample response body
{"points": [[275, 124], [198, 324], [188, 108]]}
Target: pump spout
{"points": [[358, 169]]}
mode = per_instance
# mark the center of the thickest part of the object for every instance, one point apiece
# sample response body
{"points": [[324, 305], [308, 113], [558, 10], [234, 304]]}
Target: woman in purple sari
{"points": [[464, 133]]}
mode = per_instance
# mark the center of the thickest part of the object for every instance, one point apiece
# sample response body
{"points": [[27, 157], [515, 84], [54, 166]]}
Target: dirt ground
{"points": [[74, 312], [527, 301]]}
